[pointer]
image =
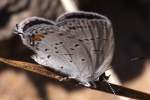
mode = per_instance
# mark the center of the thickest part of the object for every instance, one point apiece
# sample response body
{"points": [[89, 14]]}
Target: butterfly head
{"points": [[23, 35]]}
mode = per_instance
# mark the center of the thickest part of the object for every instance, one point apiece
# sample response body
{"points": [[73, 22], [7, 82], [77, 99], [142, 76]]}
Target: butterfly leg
{"points": [[93, 84], [63, 79]]}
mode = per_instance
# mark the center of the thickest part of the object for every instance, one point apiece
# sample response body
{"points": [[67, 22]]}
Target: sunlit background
{"points": [[130, 66]]}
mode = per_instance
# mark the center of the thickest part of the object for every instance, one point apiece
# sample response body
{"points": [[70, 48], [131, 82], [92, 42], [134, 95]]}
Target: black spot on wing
{"points": [[57, 52], [37, 48], [56, 43], [92, 39], [86, 39], [45, 33], [80, 40], [71, 48], [61, 67], [82, 59], [48, 56], [55, 48], [61, 42], [61, 34], [72, 28], [76, 45], [45, 49]]}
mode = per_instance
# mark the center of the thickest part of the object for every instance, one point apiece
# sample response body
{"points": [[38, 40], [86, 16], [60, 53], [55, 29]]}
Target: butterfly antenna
{"points": [[113, 91]]}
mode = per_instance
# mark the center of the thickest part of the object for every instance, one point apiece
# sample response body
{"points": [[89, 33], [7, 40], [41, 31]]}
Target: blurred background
{"points": [[131, 65]]}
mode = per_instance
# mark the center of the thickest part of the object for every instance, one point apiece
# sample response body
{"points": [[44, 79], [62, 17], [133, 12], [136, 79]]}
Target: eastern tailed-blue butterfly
{"points": [[79, 44]]}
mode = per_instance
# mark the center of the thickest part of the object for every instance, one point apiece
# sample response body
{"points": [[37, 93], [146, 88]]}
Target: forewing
{"points": [[94, 35]]}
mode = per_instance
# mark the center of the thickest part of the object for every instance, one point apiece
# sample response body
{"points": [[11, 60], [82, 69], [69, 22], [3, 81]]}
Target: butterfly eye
{"points": [[19, 33]]}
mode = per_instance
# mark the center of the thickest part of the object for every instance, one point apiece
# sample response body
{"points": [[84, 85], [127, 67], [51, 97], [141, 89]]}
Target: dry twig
{"points": [[101, 86]]}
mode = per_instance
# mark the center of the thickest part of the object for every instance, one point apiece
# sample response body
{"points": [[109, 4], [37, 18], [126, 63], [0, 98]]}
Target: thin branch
{"points": [[101, 86], [39, 69]]}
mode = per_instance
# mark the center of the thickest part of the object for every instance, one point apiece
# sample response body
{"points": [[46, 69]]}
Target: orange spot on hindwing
{"points": [[37, 37]]}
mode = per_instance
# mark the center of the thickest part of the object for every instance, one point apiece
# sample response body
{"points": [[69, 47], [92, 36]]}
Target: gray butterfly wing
{"points": [[78, 44], [44, 38], [93, 33]]}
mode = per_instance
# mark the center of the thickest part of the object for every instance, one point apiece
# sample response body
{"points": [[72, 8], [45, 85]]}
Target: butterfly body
{"points": [[79, 44]]}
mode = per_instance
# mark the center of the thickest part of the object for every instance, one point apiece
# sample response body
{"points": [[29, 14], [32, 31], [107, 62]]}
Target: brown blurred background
{"points": [[131, 23]]}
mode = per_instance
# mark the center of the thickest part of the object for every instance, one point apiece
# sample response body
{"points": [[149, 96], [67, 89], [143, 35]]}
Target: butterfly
{"points": [[79, 44]]}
